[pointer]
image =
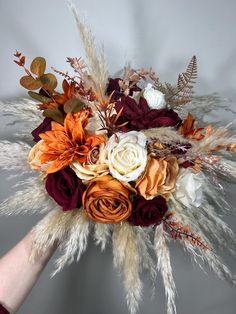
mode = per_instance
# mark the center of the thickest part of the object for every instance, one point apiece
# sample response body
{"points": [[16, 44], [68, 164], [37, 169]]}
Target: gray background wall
{"points": [[161, 34]]}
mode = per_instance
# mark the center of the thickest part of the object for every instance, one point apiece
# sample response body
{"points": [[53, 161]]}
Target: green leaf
{"points": [[73, 105], [38, 66], [30, 83], [49, 81], [55, 114], [39, 97]]}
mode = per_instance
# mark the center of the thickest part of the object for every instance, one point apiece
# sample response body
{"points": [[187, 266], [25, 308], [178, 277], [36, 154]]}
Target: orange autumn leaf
{"points": [[188, 130], [64, 144], [60, 99]]}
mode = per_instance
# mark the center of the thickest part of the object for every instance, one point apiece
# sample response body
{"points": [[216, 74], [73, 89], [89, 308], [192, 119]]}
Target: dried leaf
{"points": [[73, 105], [55, 114], [49, 81], [38, 66], [39, 97], [30, 83]]}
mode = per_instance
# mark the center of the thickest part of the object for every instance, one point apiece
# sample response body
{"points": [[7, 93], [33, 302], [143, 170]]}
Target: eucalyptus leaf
{"points": [[38, 66], [41, 98], [73, 105], [49, 81], [54, 114], [30, 83]]}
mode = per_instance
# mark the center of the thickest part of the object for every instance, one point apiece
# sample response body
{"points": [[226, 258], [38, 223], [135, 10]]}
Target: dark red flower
{"points": [[65, 188], [140, 117], [42, 128], [146, 213], [113, 86]]}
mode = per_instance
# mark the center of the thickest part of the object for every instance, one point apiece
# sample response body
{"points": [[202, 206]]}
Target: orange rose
{"points": [[106, 200], [159, 177]]}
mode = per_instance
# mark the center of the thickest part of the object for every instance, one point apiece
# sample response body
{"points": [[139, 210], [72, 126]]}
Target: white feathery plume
{"points": [[31, 199], [145, 247], [164, 266], [165, 134], [219, 137], [213, 231], [75, 242], [224, 167], [205, 221], [206, 109], [53, 227], [13, 156], [96, 63], [22, 110], [102, 233], [126, 260]]}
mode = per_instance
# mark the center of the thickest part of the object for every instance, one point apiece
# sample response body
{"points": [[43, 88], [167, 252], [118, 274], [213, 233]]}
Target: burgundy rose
{"points": [[113, 86], [139, 116], [65, 188], [42, 128], [146, 213]]}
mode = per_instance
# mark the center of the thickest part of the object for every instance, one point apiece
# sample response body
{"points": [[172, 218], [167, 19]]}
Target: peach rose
{"points": [[34, 156], [106, 200], [95, 165], [159, 177]]}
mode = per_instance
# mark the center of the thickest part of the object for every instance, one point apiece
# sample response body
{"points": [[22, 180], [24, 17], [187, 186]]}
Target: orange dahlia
{"points": [[68, 142]]}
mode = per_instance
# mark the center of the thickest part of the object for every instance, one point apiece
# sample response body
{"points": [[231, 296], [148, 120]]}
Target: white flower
{"points": [[127, 155], [189, 188], [154, 98]]}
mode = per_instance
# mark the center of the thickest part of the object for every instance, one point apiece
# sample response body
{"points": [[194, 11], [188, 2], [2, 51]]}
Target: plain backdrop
{"points": [[161, 34]]}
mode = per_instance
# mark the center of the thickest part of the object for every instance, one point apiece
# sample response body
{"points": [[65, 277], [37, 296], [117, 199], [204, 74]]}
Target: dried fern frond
{"points": [[126, 260], [164, 266], [182, 93]]}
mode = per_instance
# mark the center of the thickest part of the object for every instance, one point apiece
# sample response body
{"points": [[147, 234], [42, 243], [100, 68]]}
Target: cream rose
{"points": [[154, 98], [127, 155], [189, 188], [95, 165], [34, 156]]}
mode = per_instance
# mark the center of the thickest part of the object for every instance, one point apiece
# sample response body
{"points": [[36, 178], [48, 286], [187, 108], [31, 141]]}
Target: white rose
{"points": [[127, 155], [189, 188], [154, 98]]}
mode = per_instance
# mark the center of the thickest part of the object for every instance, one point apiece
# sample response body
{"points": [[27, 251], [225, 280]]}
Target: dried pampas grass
{"points": [[164, 266], [13, 157], [96, 62], [30, 199], [127, 261]]}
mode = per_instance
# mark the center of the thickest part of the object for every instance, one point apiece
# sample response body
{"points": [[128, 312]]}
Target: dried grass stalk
{"points": [[126, 260], [53, 227], [102, 234], [96, 63], [76, 240], [164, 266], [26, 200], [13, 156]]}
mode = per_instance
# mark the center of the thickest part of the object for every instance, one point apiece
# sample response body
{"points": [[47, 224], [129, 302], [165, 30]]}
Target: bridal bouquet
{"points": [[120, 157]]}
